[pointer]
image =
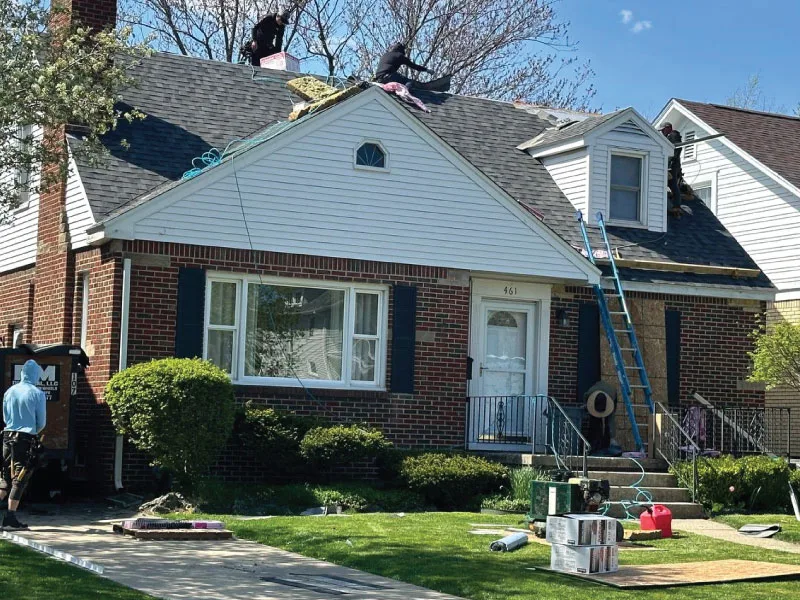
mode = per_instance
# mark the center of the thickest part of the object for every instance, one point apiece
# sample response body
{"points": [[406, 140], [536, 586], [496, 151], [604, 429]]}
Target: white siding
{"points": [[629, 137], [79, 213], [761, 214], [307, 197], [570, 172]]}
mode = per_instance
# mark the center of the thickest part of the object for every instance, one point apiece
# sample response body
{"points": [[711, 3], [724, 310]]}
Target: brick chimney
{"points": [[55, 262]]}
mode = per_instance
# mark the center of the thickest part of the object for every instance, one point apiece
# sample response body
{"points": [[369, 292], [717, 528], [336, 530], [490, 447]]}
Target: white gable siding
{"points": [[570, 172], [18, 237], [307, 197], [629, 136], [79, 213], [761, 214]]}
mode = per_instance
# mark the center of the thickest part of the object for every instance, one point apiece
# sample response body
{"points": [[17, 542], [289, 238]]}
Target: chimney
{"points": [[55, 261]]}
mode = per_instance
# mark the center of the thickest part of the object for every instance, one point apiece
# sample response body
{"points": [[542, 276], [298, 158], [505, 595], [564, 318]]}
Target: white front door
{"points": [[505, 358]]}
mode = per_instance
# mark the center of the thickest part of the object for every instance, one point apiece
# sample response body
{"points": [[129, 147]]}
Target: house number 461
{"points": [[510, 290]]}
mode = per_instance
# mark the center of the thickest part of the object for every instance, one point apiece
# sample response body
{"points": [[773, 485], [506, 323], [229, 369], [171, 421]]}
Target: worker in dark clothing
{"points": [[268, 36], [674, 164], [394, 58]]}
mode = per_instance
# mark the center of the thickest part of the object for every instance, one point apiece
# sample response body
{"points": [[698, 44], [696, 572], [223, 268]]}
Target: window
{"points": [[23, 134], [626, 187], [690, 152], [84, 308], [323, 334], [705, 192], [371, 155], [17, 336]]}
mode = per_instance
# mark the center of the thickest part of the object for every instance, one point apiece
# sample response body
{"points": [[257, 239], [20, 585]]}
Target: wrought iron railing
{"points": [[739, 430], [538, 423], [673, 443]]}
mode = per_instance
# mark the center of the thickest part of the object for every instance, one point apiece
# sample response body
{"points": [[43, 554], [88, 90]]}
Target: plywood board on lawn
{"points": [[715, 571]]}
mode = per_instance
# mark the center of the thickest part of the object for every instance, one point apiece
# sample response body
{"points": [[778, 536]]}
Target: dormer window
{"points": [[371, 155], [625, 194]]}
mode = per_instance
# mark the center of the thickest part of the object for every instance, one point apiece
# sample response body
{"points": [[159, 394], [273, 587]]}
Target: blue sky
{"points": [[699, 50]]}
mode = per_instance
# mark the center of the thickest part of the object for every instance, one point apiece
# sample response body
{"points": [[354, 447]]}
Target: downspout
{"points": [[123, 359]]}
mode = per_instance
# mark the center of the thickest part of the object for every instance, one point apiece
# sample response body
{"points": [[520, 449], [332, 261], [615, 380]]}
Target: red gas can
{"points": [[657, 517]]}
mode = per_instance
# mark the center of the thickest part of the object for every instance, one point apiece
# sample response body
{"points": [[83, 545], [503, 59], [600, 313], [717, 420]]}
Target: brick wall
{"points": [[16, 303], [97, 14]]}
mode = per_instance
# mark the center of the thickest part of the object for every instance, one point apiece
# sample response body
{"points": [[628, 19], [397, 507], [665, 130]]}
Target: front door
{"points": [[504, 373]]}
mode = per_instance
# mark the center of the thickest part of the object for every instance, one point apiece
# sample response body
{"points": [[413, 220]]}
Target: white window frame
{"points": [[351, 289], [643, 183], [17, 335], [690, 151], [386, 164], [709, 183], [84, 308], [24, 196]]}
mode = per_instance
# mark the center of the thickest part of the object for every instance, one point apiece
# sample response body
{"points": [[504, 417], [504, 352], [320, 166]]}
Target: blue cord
{"points": [[643, 497]]}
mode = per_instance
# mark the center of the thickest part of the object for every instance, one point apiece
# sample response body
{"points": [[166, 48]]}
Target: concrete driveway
{"points": [[231, 569]]}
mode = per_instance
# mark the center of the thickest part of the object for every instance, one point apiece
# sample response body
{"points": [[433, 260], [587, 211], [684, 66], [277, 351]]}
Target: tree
{"points": [[54, 74], [776, 359], [504, 49]]}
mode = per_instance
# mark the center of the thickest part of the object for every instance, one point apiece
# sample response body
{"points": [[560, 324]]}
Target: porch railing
{"points": [[673, 443], [528, 423]]}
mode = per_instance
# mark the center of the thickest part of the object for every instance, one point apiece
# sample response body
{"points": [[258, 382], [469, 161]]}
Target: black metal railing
{"points": [[537, 423], [738, 430], [673, 443]]}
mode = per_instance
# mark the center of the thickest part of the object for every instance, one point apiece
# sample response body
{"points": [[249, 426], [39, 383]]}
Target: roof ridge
{"points": [[743, 110]]}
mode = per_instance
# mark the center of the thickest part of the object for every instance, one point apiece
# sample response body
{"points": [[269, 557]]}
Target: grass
{"points": [[28, 574], [435, 550], [790, 527]]}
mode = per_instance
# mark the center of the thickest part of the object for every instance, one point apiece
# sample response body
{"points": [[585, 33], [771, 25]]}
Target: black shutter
{"points": [[588, 348], [404, 335], [191, 308], [672, 324]]}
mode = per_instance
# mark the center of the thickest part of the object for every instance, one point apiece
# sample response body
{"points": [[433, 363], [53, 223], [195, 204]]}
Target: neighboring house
{"points": [[430, 261], [750, 178]]}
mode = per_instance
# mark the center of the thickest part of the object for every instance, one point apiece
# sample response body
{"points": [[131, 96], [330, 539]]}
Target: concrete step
{"points": [[604, 463], [661, 495], [680, 510], [623, 478]]}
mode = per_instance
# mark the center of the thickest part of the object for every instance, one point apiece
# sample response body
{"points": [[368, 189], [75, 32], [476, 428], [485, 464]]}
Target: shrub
{"points": [[758, 482], [520, 482], [498, 502], [794, 479], [326, 447], [452, 481], [179, 411], [273, 437]]}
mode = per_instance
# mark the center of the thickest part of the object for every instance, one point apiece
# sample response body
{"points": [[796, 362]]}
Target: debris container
{"points": [[657, 516]]}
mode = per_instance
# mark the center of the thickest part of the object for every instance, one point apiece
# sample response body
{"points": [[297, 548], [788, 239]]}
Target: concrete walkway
{"points": [[720, 531], [230, 570]]}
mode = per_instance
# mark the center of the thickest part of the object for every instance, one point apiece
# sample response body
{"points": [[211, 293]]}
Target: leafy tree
{"points": [[53, 74], [776, 359]]}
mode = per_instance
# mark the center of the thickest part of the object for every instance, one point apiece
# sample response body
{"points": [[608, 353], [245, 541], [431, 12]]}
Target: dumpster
{"points": [[61, 364]]}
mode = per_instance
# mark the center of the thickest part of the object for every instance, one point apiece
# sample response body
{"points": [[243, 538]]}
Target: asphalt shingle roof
{"points": [[574, 129], [194, 104], [769, 138]]}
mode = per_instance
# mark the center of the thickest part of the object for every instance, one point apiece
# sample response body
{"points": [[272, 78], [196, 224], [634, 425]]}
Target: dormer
{"points": [[614, 163]]}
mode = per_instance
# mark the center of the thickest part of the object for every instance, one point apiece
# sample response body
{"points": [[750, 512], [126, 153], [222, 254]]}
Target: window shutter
{"points": [[191, 313], [404, 335], [672, 324], [588, 348]]}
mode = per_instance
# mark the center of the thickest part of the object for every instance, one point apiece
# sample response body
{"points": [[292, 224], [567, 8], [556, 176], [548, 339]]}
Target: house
{"points": [[749, 176], [421, 272]]}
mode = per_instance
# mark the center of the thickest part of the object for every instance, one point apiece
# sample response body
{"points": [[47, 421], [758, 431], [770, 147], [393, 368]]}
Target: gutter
{"points": [[123, 360]]}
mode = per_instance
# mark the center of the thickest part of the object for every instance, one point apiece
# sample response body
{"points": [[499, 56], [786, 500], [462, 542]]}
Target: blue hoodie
{"points": [[24, 405]]}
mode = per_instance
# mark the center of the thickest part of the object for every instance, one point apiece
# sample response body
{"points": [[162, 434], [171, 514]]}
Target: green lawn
{"points": [[435, 550], [790, 527], [33, 576]]}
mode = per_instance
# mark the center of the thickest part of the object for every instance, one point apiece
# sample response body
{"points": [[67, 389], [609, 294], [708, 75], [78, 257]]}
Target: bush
{"points": [[520, 482], [273, 437], [794, 479], [504, 503], [758, 482], [326, 447], [451, 481], [179, 411]]}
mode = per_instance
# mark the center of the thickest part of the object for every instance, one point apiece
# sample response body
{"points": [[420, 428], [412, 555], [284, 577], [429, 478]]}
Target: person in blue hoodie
{"points": [[24, 412]]}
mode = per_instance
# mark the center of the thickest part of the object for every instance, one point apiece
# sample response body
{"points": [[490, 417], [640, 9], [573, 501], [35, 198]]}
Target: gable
{"points": [[302, 194]]}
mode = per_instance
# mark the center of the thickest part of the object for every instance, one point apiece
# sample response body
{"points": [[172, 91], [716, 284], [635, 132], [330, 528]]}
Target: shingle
{"points": [[769, 138], [574, 129], [193, 105]]}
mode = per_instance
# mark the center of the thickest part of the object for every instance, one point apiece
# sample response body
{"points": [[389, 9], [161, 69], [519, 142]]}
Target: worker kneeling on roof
{"points": [[394, 58], [24, 412], [268, 36]]}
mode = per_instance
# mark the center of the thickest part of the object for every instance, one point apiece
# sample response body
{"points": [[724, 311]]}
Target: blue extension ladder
{"points": [[612, 331]]}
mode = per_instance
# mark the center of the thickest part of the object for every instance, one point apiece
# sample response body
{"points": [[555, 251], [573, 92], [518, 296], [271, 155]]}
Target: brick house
{"points": [[427, 262]]}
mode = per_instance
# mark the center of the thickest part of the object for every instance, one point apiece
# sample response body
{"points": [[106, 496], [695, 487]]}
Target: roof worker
{"points": [[268, 36], [674, 164], [391, 61], [24, 413]]}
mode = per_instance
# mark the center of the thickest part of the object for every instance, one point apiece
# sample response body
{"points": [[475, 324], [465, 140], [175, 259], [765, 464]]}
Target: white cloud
{"points": [[640, 26], [627, 16]]}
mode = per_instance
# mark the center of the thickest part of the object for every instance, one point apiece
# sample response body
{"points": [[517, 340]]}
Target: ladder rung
{"points": [[638, 387], [616, 312], [625, 330], [627, 367]]}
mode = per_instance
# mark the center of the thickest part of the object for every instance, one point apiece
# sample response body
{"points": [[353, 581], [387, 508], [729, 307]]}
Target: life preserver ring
{"points": [[591, 401]]}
